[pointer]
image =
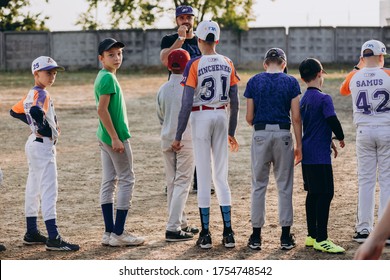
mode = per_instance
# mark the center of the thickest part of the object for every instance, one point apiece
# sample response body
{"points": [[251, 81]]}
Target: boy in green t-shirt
{"points": [[113, 135]]}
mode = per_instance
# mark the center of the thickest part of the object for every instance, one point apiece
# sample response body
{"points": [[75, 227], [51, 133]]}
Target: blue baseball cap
{"points": [[184, 10]]}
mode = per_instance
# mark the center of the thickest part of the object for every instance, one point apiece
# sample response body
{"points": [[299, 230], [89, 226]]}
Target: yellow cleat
{"points": [[328, 246], [309, 242]]}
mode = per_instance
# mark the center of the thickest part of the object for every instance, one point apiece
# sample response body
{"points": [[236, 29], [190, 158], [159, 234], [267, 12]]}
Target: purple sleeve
{"points": [[185, 111], [328, 108]]}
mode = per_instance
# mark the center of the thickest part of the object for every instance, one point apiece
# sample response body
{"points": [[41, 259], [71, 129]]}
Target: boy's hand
{"points": [[176, 146], [297, 155], [117, 146], [233, 144]]}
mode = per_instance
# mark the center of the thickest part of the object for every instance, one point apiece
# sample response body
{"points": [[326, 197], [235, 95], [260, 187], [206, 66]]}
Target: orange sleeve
{"points": [[344, 88], [387, 71], [192, 79], [18, 107], [234, 78]]}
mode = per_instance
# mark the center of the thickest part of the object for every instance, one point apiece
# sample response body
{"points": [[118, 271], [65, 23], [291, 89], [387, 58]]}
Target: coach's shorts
{"points": [[318, 178]]}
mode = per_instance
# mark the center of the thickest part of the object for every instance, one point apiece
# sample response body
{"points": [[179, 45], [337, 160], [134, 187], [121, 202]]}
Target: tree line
{"points": [[234, 14]]}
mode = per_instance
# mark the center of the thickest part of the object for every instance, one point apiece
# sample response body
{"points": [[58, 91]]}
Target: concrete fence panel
{"points": [[318, 42], [21, 48]]}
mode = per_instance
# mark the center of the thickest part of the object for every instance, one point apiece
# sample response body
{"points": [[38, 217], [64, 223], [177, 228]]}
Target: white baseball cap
{"points": [[45, 63], [377, 48], [207, 27]]}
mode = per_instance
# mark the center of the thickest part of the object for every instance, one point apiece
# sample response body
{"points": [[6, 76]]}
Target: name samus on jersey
{"points": [[214, 68], [369, 83]]}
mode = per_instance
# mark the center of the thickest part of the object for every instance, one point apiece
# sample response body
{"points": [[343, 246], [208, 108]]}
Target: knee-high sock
{"points": [[205, 219], [226, 216]]}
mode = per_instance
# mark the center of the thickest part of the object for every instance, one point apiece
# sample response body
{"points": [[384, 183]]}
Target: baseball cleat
{"points": [[287, 243], [177, 236], [106, 238], [193, 230], [125, 239], [36, 238], [228, 240], [328, 246], [254, 243], [59, 244], [309, 241], [361, 236], [204, 241]]}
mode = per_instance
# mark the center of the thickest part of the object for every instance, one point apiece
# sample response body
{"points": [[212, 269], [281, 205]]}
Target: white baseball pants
{"points": [[179, 169], [373, 156], [42, 185], [210, 141]]}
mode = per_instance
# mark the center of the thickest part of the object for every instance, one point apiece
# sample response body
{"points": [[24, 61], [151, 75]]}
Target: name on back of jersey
{"points": [[214, 68], [369, 83]]}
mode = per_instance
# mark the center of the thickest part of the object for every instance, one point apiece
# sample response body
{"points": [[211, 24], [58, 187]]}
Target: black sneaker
{"points": [[361, 236], [212, 191], [287, 243], [228, 240], [204, 241], [2, 248], [60, 244], [254, 243], [176, 236], [188, 229], [34, 238]]}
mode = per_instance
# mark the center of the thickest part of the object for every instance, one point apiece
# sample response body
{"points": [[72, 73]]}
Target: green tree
{"points": [[12, 16], [235, 14]]}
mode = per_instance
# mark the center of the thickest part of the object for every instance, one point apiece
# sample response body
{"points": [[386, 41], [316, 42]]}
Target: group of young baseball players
{"points": [[198, 110]]}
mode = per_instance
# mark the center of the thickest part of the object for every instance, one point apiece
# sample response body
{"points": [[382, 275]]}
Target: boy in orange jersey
{"points": [[37, 110]]}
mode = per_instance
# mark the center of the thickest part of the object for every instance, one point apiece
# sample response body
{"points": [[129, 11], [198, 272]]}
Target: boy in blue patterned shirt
{"points": [[319, 121], [270, 98]]}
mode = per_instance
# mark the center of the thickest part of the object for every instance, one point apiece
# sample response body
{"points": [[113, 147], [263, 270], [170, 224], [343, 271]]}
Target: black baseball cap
{"points": [[109, 43], [310, 67], [275, 52]]}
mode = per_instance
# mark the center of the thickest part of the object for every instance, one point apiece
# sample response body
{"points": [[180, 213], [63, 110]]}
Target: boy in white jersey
{"points": [[210, 84], [37, 110], [370, 89]]}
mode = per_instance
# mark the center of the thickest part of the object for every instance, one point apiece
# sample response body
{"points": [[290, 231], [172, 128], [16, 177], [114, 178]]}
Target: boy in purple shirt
{"points": [[319, 121]]}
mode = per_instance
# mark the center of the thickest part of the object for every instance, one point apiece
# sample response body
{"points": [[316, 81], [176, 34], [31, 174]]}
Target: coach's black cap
{"points": [[310, 67], [109, 43]]}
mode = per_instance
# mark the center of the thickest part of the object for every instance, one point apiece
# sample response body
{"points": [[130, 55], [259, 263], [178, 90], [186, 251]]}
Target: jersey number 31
{"points": [[208, 89]]}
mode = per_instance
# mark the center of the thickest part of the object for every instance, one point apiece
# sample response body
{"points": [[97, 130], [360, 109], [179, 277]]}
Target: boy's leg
{"points": [[169, 165]]}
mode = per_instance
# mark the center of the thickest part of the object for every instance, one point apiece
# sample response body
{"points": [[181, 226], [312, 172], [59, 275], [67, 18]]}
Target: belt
{"points": [[40, 140], [261, 126], [204, 107]]}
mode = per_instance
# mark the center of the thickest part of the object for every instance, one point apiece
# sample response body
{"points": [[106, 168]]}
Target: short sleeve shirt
{"points": [[190, 45], [107, 83], [315, 108], [272, 94]]}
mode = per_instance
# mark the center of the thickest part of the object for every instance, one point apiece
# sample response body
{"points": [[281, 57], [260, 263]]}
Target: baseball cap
{"points": [[177, 59], [275, 52], [377, 48], [184, 10], [45, 63], [310, 67], [109, 43], [207, 27]]}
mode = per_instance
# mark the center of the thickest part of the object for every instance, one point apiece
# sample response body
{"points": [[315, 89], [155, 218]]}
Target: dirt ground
{"points": [[79, 175]]}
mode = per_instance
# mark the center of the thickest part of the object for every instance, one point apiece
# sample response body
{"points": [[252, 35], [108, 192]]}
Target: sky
{"points": [[64, 13]]}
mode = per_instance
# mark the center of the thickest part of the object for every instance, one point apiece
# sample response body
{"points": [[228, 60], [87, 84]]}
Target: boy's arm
{"points": [[250, 108], [20, 116], [234, 106], [159, 109], [105, 118], [297, 125]]}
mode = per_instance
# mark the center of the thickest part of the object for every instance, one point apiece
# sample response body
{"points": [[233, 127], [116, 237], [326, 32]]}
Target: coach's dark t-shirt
{"points": [[190, 45]]}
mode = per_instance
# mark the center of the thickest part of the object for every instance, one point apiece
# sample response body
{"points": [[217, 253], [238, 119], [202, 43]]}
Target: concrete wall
{"points": [[78, 49]]}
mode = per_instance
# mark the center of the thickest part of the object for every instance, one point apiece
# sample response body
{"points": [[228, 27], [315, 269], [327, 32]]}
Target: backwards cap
{"points": [[45, 63], [207, 27], [377, 48], [177, 59]]}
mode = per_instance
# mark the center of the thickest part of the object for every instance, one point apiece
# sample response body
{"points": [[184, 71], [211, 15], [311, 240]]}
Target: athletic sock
{"points": [[204, 218], [120, 221], [285, 232], [256, 232], [32, 226], [226, 217], [108, 216], [51, 227]]}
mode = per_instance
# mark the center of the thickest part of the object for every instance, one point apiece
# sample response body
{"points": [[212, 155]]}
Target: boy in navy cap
{"points": [[319, 121]]}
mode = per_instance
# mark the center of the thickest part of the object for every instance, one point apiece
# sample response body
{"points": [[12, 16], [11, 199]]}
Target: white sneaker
{"points": [[106, 238], [125, 239]]}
